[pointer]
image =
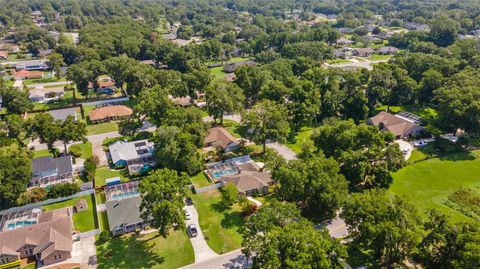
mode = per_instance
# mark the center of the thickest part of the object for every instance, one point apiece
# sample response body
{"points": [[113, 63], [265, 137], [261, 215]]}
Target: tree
{"points": [[176, 150], [14, 127], [223, 98], [45, 128], [443, 31], [15, 173], [315, 183], [163, 192], [277, 237], [15, 101], [154, 103], [85, 73], [34, 195], [251, 79], [229, 194], [90, 167], [62, 190], [267, 120], [55, 61], [386, 226], [72, 130], [130, 125]]}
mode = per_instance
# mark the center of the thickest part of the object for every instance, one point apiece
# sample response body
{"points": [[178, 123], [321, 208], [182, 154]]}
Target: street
{"points": [[231, 260]]}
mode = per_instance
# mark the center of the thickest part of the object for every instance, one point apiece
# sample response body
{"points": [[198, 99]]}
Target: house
{"points": [[398, 125], [62, 114], [344, 41], [362, 52], [47, 171], [49, 240], [231, 67], [105, 85], [81, 205], [109, 113], [32, 65], [40, 94], [124, 215], [413, 26], [25, 74], [136, 155], [220, 137], [3, 55], [181, 101], [385, 35], [387, 50]]}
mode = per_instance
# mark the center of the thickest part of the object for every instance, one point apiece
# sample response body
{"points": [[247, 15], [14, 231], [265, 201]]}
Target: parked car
{"points": [[188, 201], [192, 230], [187, 215], [420, 143]]}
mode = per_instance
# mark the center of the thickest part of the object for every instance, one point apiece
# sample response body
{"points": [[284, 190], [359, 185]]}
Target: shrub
{"points": [[63, 190], [75, 151], [104, 237]]}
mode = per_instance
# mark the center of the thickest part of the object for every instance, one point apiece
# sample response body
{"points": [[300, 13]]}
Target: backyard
{"points": [[83, 150], [82, 221], [201, 180], [103, 173], [41, 153], [220, 225], [146, 251], [428, 183]]}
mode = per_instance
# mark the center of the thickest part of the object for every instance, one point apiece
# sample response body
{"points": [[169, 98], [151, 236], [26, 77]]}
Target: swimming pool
{"points": [[19, 224], [123, 195], [223, 173]]}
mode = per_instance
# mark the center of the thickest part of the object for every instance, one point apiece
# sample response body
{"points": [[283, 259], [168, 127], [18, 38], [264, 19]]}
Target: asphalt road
{"points": [[231, 260]]}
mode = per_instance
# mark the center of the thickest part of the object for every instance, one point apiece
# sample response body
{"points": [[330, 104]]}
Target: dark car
{"points": [[192, 230], [188, 201]]}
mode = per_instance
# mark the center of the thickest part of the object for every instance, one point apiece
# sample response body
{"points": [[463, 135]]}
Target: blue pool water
{"points": [[123, 195], [223, 173], [19, 224]]}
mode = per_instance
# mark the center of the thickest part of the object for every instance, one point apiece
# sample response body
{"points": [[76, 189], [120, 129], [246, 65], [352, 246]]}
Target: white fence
{"points": [[208, 188], [101, 102], [46, 202]]}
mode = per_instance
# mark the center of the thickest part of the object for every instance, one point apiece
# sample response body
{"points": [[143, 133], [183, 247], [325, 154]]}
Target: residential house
{"points": [[137, 156], [387, 50], [343, 53], [220, 137], [181, 101], [124, 215], [385, 35], [398, 125], [109, 113], [32, 65], [42, 95], [413, 26], [62, 114], [105, 85], [3, 55], [344, 41], [25, 74], [49, 241], [231, 67], [47, 171], [362, 52]]}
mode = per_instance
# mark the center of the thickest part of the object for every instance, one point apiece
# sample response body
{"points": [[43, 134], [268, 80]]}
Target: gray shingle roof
{"points": [[62, 164], [62, 114], [123, 212]]}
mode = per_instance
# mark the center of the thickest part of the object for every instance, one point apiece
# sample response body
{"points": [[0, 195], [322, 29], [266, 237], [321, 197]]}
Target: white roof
{"points": [[122, 150]]}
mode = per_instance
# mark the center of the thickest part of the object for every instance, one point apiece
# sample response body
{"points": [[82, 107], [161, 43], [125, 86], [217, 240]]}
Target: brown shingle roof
{"points": [[397, 125], [248, 180], [110, 111], [219, 136]]}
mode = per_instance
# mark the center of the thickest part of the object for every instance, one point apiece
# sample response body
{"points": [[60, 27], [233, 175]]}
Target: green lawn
{"points": [[41, 153], [67, 100], [147, 251], [100, 197], [378, 57], [338, 61], [105, 127], [31, 265], [220, 225], [295, 140], [85, 149], [233, 128], [201, 180], [42, 80], [102, 173], [428, 183], [83, 221], [218, 73], [416, 156], [103, 221]]}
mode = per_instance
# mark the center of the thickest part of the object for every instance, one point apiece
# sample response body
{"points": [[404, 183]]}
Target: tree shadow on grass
{"points": [[459, 156], [232, 219], [127, 252]]}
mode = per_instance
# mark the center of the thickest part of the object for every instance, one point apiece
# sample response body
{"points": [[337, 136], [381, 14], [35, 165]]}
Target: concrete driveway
{"points": [[405, 147], [283, 150], [84, 252], [200, 247], [230, 260]]}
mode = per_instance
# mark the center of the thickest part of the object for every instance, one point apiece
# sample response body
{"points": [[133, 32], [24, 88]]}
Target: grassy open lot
{"points": [[220, 225], [201, 180], [428, 183], [85, 149], [146, 251], [378, 57], [103, 221], [102, 173], [101, 128], [218, 73], [337, 61], [296, 139], [83, 221], [41, 153]]}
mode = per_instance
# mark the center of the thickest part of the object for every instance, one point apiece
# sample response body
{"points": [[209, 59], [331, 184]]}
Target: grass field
{"points": [[103, 221], [201, 180], [101, 128], [218, 73], [295, 140], [101, 174], [338, 61], [378, 57], [83, 221], [41, 153], [233, 128], [428, 183], [147, 251], [220, 225], [85, 149]]}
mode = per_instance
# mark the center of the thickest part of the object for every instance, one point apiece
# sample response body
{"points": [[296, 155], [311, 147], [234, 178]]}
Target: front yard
{"points": [[296, 139], [220, 225], [146, 251], [82, 221]]}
